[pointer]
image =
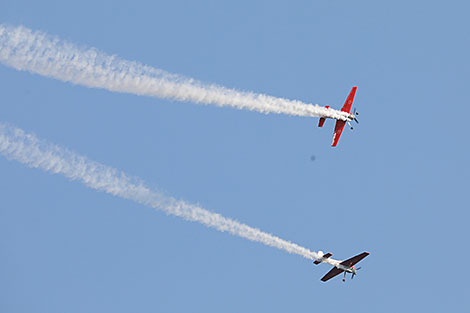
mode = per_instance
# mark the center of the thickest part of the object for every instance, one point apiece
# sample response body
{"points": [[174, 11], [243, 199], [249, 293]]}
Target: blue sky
{"points": [[395, 187]]}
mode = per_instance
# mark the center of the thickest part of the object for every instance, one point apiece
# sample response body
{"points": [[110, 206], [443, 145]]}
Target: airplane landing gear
{"points": [[350, 126]]}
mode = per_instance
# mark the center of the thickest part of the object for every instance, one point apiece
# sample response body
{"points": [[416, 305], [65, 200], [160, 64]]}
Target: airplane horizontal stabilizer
{"points": [[325, 256], [322, 119]]}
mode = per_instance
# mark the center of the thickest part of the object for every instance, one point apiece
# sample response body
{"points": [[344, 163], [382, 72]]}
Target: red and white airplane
{"points": [[346, 266], [347, 115]]}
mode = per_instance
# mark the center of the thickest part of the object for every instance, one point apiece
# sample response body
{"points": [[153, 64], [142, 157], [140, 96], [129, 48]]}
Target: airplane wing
{"points": [[349, 101], [338, 130], [334, 271], [355, 259]]}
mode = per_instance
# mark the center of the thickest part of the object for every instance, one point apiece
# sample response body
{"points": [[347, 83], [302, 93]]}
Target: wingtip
{"points": [[333, 143]]}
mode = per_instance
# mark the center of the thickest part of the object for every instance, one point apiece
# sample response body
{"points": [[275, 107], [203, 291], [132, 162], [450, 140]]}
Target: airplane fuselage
{"points": [[337, 264], [343, 116], [347, 269]]}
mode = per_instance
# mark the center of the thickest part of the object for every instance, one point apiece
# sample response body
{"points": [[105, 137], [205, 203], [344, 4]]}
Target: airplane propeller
{"points": [[354, 119], [352, 276], [355, 114]]}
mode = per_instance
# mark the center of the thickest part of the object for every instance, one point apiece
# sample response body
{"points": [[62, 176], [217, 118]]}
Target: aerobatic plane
{"points": [[346, 266], [348, 117]]}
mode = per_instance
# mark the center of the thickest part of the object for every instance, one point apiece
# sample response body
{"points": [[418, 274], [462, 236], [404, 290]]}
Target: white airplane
{"points": [[346, 266]]}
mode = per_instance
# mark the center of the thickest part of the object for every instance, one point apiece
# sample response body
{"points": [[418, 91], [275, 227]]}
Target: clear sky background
{"points": [[397, 186]]}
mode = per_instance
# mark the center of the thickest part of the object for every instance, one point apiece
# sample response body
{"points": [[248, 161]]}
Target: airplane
{"points": [[346, 266], [348, 117]]}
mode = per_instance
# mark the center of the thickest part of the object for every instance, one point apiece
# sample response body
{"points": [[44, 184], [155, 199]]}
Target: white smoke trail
{"points": [[40, 53], [17, 145]]}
